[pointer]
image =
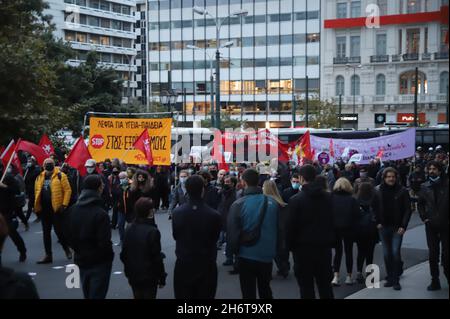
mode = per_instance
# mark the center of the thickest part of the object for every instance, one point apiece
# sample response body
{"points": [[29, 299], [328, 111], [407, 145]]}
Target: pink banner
{"points": [[395, 147]]}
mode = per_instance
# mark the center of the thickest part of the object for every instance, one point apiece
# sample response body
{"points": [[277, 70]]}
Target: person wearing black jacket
{"points": [[195, 228], [228, 197], [141, 253], [31, 173], [211, 197], [9, 188], [310, 236], [433, 210], [91, 168], [287, 193], [13, 285], [392, 221], [345, 214], [141, 186], [90, 238], [162, 188]]}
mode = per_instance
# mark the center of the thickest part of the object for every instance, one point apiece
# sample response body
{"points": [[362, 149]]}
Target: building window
{"points": [[381, 44], [106, 23], [94, 4], [355, 85], [341, 10], [355, 50], [413, 6], [381, 84], [413, 41], [382, 6], [94, 21], [443, 83], [340, 85], [104, 40], [313, 37], [408, 83], [104, 5], [355, 9], [81, 37], [69, 36], [341, 43]]}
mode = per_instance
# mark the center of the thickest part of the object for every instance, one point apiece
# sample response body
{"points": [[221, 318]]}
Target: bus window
{"points": [[441, 137], [428, 137]]}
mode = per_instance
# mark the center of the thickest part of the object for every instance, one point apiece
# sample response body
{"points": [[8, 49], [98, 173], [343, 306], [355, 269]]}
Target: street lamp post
{"points": [[218, 22], [354, 67]]}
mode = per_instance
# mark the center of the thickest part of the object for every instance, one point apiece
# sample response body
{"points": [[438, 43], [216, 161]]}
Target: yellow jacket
{"points": [[59, 187]]}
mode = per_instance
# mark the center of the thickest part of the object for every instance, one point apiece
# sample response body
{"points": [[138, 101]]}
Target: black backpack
{"points": [[366, 220]]}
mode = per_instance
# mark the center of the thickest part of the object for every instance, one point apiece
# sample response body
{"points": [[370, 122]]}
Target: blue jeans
{"points": [[95, 280], [121, 225], [392, 243]]}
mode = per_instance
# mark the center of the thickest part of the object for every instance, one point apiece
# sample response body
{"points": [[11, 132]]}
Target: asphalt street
{"points": [[51, 279]]}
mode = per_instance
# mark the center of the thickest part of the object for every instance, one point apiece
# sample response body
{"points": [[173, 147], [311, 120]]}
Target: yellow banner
{"points": [[114, 138]]}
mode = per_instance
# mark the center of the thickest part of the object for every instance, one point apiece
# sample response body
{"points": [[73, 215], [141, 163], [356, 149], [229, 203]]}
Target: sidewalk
{"points": [[414, 286]]}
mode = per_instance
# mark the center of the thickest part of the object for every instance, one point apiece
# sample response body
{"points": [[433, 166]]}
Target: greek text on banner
{"points": [[114, 138]]}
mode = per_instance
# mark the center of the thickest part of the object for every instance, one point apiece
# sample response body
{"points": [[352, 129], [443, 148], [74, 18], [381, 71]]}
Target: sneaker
{"points": [[359, 278], [388, 284], [335, 281], [397, 286], [435, 285], [22, 257], [27, 227], [45, 260], [348, 280]]}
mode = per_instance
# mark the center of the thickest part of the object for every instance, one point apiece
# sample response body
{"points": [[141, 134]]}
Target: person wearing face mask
{"points": [[31, 173], [433, 210], [91, 169], [293, 190], [90, 238], [125, 184], [8, 190], [179, 194], [211, 197], [141, 186], [115, 194], [162, 188], [53, 194], [141, 253], [363, 178]]}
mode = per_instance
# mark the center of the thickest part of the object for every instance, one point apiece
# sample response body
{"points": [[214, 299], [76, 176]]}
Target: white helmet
{"points": [[90, 163], [430, 149], [438, 147]]}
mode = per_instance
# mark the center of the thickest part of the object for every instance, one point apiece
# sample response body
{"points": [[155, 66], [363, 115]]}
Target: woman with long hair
{"points": [[345, 213], [141, 186], [282, 259]]}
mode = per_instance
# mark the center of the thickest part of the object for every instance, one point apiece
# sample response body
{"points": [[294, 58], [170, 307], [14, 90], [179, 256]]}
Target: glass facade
{"points": [[275, 48]]}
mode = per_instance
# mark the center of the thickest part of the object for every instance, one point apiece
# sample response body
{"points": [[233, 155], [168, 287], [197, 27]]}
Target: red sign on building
{"points": [[409, 118]]}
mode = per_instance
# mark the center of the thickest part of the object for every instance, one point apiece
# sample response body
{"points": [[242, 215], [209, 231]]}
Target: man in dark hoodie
{"points": [[90, 238], [392, 220], [433, 210], [310, 236]]}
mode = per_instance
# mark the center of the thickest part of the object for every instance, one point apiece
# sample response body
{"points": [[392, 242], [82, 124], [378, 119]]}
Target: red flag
{"points": [[218, 153], [33, 149], [6, 155], [143, 143], [78, 156], [303, 149], [2, 149], [46, 145], [331, 148], [380, 154]]}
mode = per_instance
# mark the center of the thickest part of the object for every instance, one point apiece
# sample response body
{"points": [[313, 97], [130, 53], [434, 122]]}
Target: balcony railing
{"points": [[392, 99], [345, 60], [411, 57], [441, 56], [379, 58], [396, 58], [426, 56], [340, 60]]}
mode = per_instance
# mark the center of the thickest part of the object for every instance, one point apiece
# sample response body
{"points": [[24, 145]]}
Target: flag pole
{"points": [[10, 161]]}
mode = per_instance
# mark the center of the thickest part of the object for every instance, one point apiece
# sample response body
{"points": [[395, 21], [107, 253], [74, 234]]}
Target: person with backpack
{"points": [[53, 193], [252, 236], [366, 233]]}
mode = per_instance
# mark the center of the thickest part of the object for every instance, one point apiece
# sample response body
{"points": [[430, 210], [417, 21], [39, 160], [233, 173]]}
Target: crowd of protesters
{"points": [[256, 214]]}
